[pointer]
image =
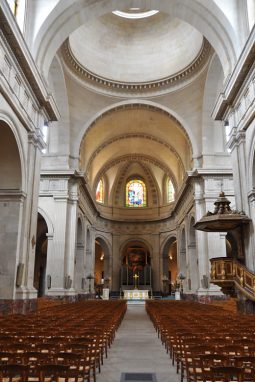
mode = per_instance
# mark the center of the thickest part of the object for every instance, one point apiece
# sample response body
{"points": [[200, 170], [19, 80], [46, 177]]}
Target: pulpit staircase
{"points": [[233, 277]]}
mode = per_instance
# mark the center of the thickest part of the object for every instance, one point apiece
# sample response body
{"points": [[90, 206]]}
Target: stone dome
{"points": [[135, 50]]}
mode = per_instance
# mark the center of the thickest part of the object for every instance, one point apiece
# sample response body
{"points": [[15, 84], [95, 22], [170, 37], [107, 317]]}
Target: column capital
{"points": [[236, 138]]}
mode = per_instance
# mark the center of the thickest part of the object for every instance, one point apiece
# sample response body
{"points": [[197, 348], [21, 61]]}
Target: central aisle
{"points": [[137, 348]]}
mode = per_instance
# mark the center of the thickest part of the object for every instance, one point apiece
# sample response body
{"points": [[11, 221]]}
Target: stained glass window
{"points": [[170, 191], [100, 192], [135, 193]]}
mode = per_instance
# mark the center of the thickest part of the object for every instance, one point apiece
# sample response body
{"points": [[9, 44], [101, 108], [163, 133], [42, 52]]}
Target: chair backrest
{"points": [[227, 374], [12, 372]]}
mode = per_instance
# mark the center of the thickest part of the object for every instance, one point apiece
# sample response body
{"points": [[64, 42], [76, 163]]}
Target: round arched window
{"points": [[136, 193], [170, 191], [100, 192]]}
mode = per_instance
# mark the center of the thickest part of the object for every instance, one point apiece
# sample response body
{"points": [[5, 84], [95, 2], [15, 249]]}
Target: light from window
{"points": [[135, 193], [18, 8], [100, 192], [136, 14], [45, 133], [171, 191], [13, 4]]}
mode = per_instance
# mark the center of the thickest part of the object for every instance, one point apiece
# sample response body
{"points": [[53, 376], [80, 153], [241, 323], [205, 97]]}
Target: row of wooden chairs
{"points": [[75, 336], [200, 339]]}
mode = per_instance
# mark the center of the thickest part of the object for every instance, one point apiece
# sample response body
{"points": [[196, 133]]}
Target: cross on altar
{"points": [[136, 277]]}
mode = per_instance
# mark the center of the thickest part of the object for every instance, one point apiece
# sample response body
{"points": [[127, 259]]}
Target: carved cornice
{"points": [[130, 136], [93, 80], [235, 82], [19, 48]]}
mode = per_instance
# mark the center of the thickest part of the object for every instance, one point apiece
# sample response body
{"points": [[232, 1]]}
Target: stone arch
{"points": [[107, 250], [65, 18], [12, 198], [177, 118], [11, 139], [134, 157], [47, 220], [139, 251], [134, 240], [127, 136]]}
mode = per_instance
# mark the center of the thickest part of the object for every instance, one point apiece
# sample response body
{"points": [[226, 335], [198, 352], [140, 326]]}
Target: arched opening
{"points": [[169, 266], [10, 166], [170, 191], [100, 190], [41, 255], [10, 208], [136, 266], [101, 270], [79, 282], [193, 279]]}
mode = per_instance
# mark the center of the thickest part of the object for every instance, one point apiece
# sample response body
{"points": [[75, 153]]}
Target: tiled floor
{"points": [[137, 348]]}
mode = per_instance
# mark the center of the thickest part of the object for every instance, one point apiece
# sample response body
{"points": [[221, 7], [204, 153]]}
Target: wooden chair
{"points": [[13, 372], [227, 374], [52, 372]]}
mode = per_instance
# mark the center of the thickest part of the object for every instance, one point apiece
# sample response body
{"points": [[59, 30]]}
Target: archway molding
{"points": [[149, 137], [20, 145], [47, 220], [177, 118], [135, 240]]}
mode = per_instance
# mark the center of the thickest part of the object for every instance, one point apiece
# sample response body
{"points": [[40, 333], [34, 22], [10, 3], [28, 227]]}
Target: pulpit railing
{"points": [[227, 271]]}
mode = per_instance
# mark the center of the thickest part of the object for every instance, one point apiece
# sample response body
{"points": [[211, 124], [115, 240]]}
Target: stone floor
{"points": [[137, 348]]}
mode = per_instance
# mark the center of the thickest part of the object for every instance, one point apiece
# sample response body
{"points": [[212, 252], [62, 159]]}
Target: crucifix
{"points": [[136, 277]]}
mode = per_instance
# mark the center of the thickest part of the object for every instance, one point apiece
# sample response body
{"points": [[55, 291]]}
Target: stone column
{"points": [[157, 284], [250, 259], [71, 239], [202, 243], [11, 223], [237, 145], [238, 158], [56, 267], [27, 256], [79, 267], [116, 263], [193, 268]]}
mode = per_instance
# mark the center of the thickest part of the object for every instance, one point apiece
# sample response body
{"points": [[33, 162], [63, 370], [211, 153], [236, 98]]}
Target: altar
{"points": [[136, 294]]}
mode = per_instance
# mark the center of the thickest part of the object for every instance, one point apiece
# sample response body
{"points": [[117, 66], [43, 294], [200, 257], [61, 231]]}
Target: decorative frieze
{"points": [[236, 102], [161, 86]]}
